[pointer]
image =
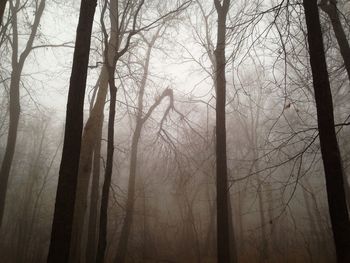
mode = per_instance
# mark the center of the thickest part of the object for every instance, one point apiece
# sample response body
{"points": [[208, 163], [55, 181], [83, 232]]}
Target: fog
{"points": [[205, 132]]}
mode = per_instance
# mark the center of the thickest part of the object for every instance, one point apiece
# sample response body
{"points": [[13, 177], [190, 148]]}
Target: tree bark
{"points": [[102, 237], [59, 250], [11, 139], [2, 9], [233, 250], [328, 140], [93, 222], [88, 143], [124, 236], [330, 8], [223, 237]]}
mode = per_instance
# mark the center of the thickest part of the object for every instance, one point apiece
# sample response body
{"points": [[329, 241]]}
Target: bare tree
{"points": [[328, 139], [111, 66], [331, 9], [59, 250], [134, 9], [223, 237], [89, 141], [141, 118], [2, 9], [91, 246], [18, 60]]}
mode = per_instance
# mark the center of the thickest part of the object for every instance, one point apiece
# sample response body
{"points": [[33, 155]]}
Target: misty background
{"points": [[277, 192]]}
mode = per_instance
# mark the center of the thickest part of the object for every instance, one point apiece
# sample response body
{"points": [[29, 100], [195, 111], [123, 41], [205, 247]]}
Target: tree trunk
{"points": [[209, 238], [93, 223], [264, 245], [241, 199], [140, 120], [59, 250], [314, 238], [91, 130], [233, 250], [113, 91], [328, 140], [89, 141], [124, 236], [2, 9], [223, 237], [102, 237], [270, 213], [330, 8], [260, 184], [11, 139], [14, 103]]}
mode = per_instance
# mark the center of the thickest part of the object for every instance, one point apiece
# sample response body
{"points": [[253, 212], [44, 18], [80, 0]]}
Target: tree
{"points": [[93, 215], [67, 182], [17, 61], [2, 9], [111, 67], [130, 15], [330, 8], [141, 118], [329, 146], [90, 139], [223, 237]]}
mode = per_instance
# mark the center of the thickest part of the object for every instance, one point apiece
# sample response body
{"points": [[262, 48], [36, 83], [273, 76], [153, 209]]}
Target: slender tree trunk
{"points": [[145, 239], [314, 239], [330, 8], [11, 139], [37, 251], [89, 141], [110, 147], [233, 250], [67, 182], [124, 236], [93, 222], [140, 120], [223, 237], [323, 230], [192, 228], [264, 244], [2, 9], [14, 103], [91, 130], [210, 239], [102, 237], [241, 243], [328, 140], [270, 213]]}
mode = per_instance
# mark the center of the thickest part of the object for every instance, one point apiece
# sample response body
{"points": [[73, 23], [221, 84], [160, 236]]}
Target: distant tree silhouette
{"points": [[17, 60]]}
